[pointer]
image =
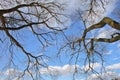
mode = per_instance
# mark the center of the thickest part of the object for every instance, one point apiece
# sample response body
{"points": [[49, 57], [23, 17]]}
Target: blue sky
{"points": [[61, 67]]}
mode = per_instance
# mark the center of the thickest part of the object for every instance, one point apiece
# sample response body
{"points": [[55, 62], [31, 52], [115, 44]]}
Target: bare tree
{"points": [[21, 17], [87, 44]]}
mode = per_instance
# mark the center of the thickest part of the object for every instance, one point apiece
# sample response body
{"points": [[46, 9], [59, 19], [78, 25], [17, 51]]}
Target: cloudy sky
{"points": [[112, 62], [63, 70]]}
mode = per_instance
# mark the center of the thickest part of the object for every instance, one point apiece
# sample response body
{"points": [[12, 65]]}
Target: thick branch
{"points": [[108, 40], [114, 39], [103, 22], [20, 27]]}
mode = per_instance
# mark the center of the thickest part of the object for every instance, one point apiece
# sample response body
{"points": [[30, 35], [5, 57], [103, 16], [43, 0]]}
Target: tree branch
{"points": [[3, 11], [103, 22], [108, 40]]}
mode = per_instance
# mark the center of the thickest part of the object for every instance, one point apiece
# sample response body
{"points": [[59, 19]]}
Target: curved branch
{"points": [[20, 27], [114, 39], [103, 22], [108, 40]]}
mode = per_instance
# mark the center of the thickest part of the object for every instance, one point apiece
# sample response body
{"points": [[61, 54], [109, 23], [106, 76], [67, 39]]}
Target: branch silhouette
{"points": [[112, 23]]}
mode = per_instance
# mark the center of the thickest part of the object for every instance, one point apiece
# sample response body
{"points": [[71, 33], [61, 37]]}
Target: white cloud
{"points": [[113, 66], [109, 52], [73, 5], [59, 70], [67, 69], [108, 75], [104, 76], [93, 65], [105, 33], [11, 72], [111, 5]]}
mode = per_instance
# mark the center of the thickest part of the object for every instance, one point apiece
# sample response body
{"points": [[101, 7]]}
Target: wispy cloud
{"points": [[109, 52], [67, 69], [119, 45], [59, 70], [11, 72], [108, 75], [93, 65], [113, 66], [105, 33], [74, 5], [104, 76], [116, 58]]}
